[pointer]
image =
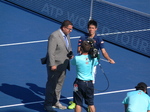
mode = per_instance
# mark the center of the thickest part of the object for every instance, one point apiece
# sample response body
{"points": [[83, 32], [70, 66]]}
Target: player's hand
{"points": [[111, 61]]}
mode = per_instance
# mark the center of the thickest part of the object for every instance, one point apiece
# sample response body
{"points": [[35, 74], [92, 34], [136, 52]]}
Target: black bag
{"points": [[43, 60]]}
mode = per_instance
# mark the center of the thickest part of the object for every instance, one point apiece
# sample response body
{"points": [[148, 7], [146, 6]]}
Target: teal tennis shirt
{"points": [[138, 101], [84, 66]]}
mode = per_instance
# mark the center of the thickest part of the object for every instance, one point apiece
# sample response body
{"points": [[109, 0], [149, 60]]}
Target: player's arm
{"points": [[105, 54], [103, 50]]}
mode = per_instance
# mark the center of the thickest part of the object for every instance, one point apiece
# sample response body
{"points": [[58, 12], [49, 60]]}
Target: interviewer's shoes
{"points": [[49, 109], [60, 106]]}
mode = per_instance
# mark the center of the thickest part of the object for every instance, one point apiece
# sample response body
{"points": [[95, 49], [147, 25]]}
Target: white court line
{"points": [[114, 33], [31, 42], [124, 32], [2, 45], [96, 94]]}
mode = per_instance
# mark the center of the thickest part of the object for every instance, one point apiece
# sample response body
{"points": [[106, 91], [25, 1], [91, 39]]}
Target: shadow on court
{"points": [[28, 95]]}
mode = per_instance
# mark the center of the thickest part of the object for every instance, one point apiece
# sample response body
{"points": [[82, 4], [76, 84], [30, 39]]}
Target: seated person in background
{"points": [[137, 101]]}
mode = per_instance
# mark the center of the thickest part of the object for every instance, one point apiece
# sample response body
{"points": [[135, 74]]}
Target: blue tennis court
{"points": [[23, 41]]}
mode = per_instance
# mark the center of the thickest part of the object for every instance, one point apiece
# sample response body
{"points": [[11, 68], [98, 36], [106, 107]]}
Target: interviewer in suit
{"points": [[58, 51]]}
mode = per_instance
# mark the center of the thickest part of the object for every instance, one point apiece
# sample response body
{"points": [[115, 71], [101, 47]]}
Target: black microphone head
{"points": [[70, 54], [91, 40]]}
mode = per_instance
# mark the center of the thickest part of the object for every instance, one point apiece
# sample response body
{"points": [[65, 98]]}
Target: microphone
{"points": [[90, 40], [70, 54]]}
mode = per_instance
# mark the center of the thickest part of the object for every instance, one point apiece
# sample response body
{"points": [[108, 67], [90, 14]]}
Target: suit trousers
{"points": [[54, 85]]}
